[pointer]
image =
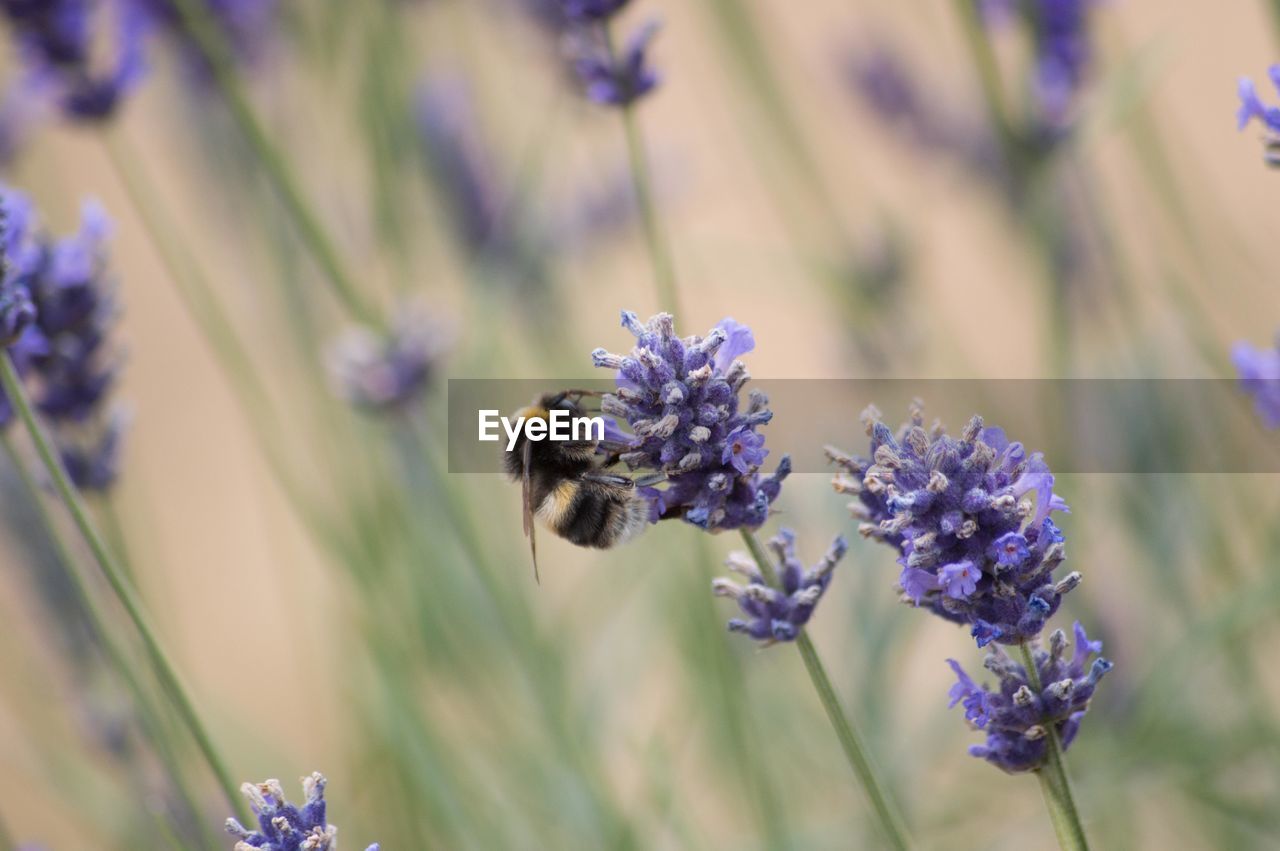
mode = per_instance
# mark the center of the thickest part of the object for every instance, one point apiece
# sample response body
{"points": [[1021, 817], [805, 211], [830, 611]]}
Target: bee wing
{"points": [[526, 491]]}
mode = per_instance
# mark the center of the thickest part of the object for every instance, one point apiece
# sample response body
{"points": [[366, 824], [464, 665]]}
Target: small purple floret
{"points": [[1018, 716]]}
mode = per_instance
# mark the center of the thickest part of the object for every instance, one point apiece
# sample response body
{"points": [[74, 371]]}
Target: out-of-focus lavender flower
{"points": [[283, 826], [882, 79], [616, 79], [247, 26], [973, 546], [56, 42], [388, 372], [1019, 716], [18, 263], [591, 11], [1063, 49], [64, 355], [17, 310], [76, 306], [1251, 107], [680, 398], [1259, 371], [1063, 52], [778, 614], [492, 222], [92, 456], [462, 166]]}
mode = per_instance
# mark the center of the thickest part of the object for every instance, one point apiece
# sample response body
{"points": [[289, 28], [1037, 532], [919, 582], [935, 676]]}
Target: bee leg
{"points": [[649, 480], [608, 479]]}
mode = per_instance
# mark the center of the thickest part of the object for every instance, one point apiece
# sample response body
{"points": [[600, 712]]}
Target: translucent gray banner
{"points": [[1133, 426]]}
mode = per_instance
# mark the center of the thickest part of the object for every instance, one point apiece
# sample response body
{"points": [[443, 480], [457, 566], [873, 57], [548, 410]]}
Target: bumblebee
{"points": [[566, 486]]}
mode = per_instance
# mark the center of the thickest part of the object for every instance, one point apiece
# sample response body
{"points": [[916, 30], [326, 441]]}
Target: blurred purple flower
{"points": [[1259, 371], [1063, 50], [76, 310], [681, 401], [461, 164], [246, 25], [389, 372], [92, 457], [1251, 106], [56, 45], [973, 546], [618, 79], [17, 310], [1018, 716], [495, 225], [778, 614], [282, 826], [65, 354], [883, 81], [590, 11]]}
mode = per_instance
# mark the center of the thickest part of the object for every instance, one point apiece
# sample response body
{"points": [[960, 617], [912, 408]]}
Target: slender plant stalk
{"points": [[120, 585], [212, 44], [664, 274], [196, 294], [7, 842], [1055, 784], [891, 821], [524, 633], [993, 93], [1026, 171], [148, 714], [752, 764], [1273, 6]]}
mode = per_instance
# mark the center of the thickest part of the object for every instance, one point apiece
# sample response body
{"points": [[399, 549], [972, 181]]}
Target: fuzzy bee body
{"points": [[566, 488]]}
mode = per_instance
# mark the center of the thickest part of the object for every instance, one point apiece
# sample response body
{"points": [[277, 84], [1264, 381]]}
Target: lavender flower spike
{"points": [[778, 614], [388, 372], [19, 262], [1259, 371], [590, 11], [1019, 715], [618, 79], [1251, 106], [283, 826], [1063, 48], [17, 311], [56, 40], [680, 396], [970, 519], [66, 347]]}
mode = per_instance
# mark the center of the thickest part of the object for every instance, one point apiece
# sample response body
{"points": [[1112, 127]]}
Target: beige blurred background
{"points": [[248, 606]]}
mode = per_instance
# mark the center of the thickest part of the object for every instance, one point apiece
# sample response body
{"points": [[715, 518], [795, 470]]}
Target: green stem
{"points": [[7, 842], [891, 821], [1055, 784], [523, 633], [1026, 169], [1273, 6], [120, 586], [707, 640], [212, 44], [664, 274], [984, 60], [149, 717]]}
